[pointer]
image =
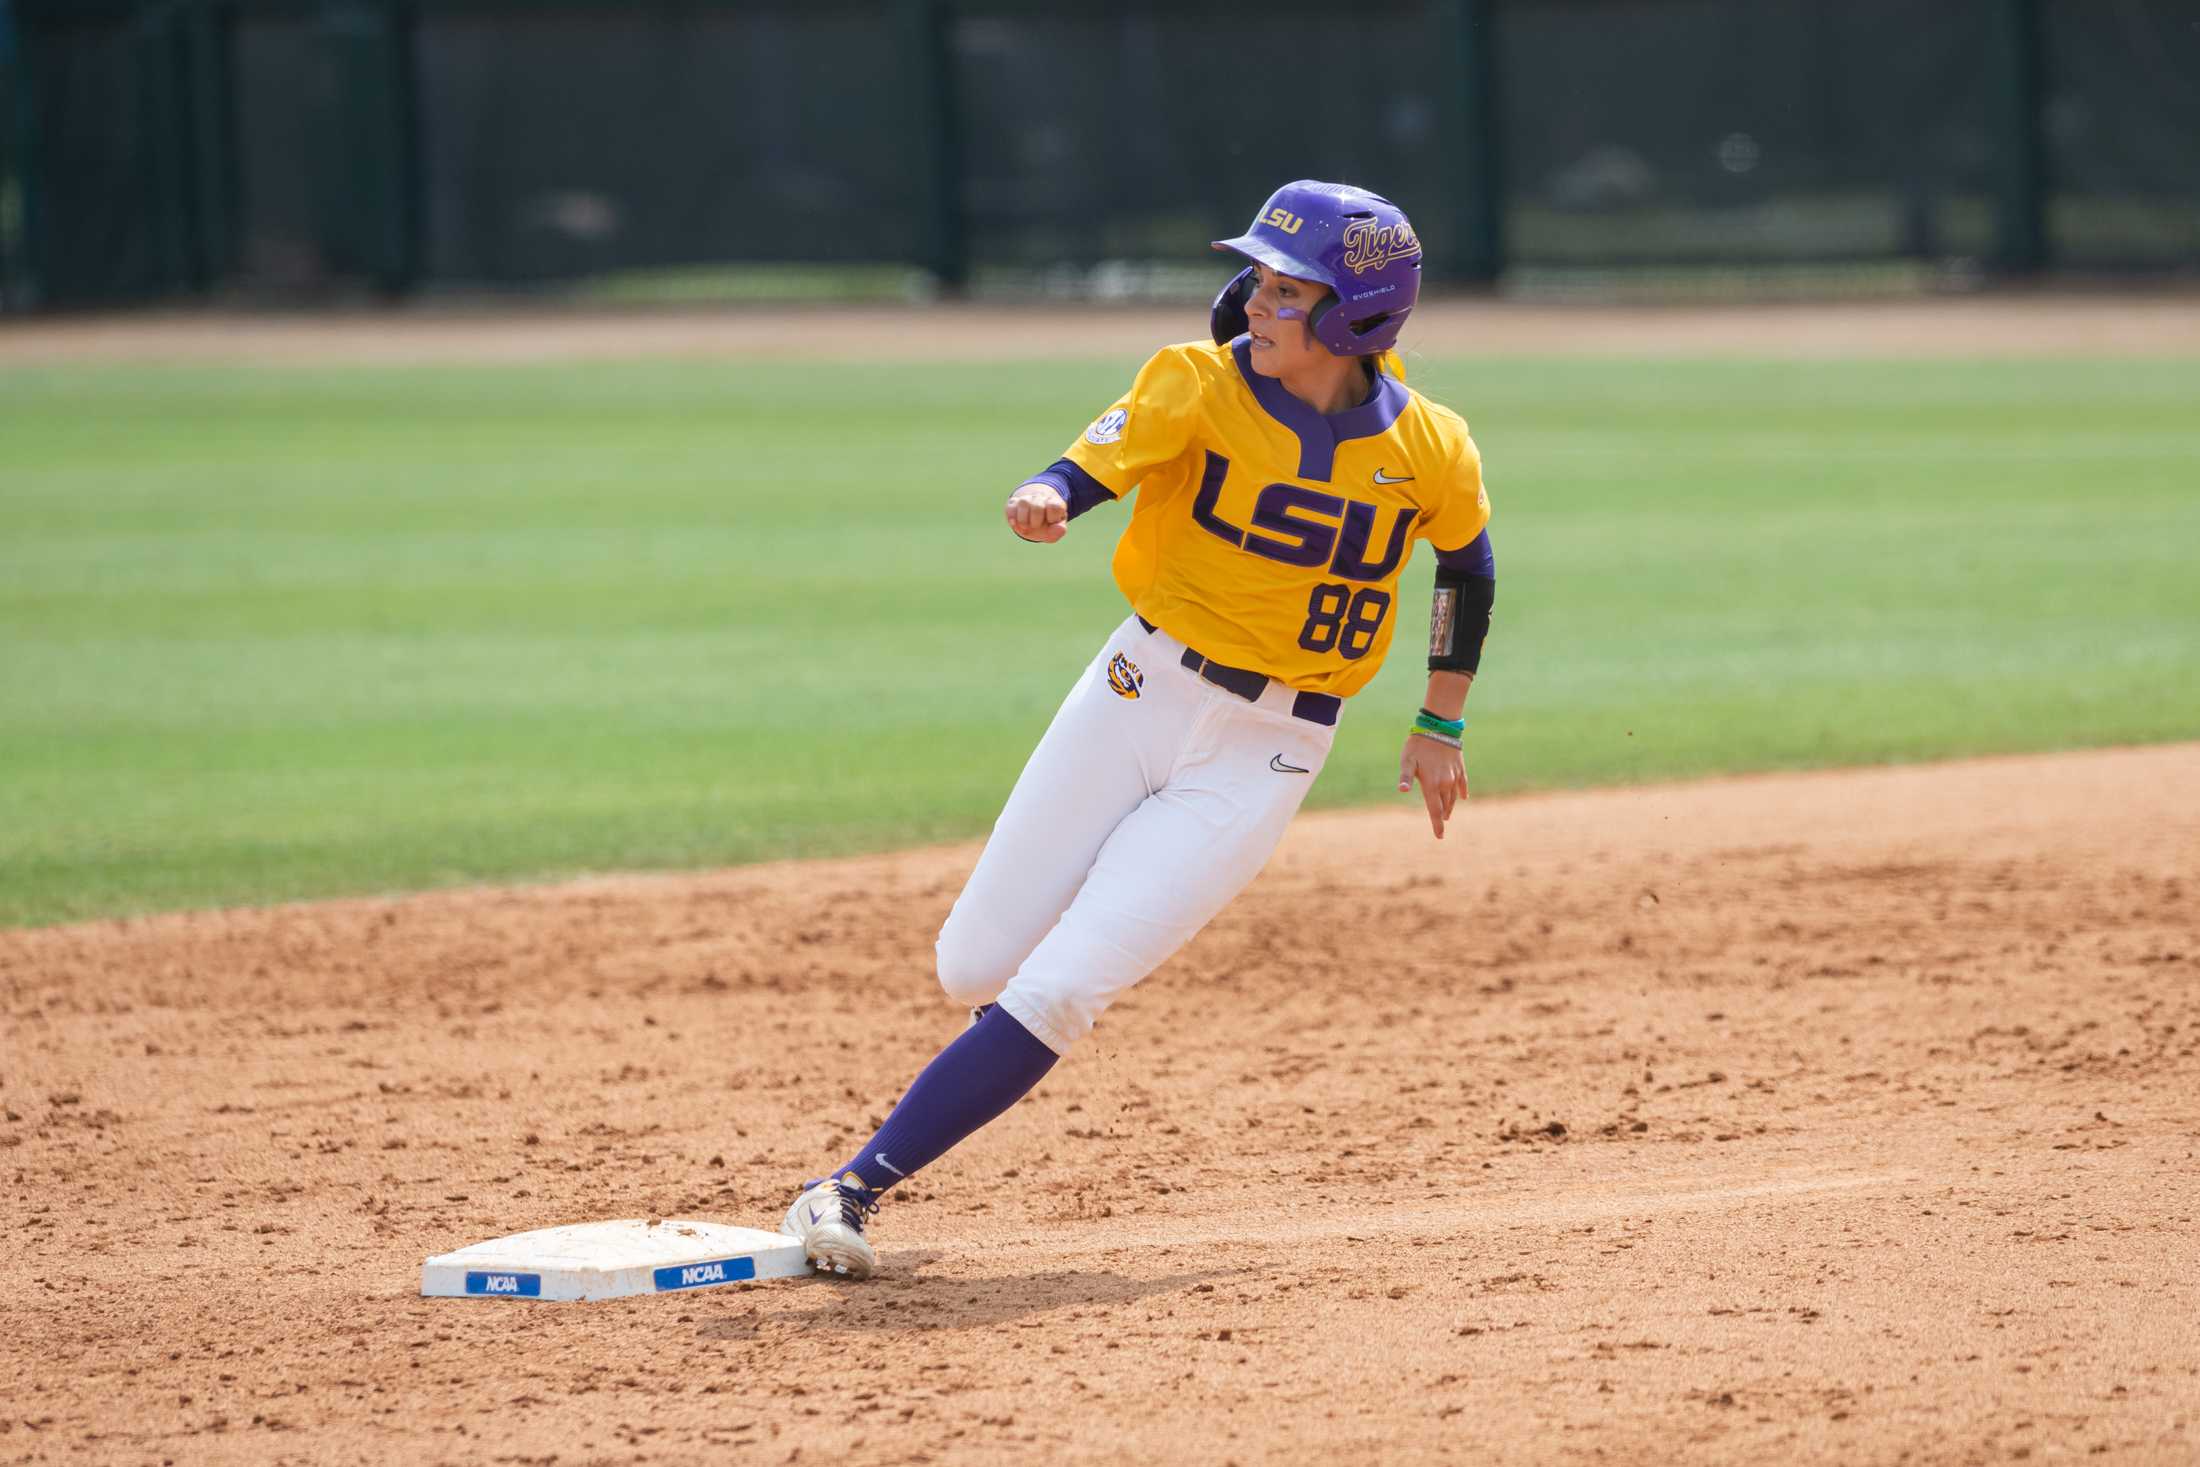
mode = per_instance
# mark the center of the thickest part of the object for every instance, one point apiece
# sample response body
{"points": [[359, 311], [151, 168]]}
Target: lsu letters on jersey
{"points": [[1266, 535]]}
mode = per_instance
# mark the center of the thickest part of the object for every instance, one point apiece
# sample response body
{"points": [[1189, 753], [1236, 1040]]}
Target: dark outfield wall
{"points": [[281, 147]]}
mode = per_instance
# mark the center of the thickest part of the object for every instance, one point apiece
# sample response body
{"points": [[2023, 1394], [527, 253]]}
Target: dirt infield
{"points": [[2021, 325], [1828, 1118]]}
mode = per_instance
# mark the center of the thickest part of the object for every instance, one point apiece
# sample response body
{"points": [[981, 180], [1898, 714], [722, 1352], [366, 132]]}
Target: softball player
{"points": [[1281, 475]]}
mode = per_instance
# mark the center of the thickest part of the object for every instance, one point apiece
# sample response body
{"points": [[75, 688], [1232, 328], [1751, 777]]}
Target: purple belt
{"points": [[1318, 708]]}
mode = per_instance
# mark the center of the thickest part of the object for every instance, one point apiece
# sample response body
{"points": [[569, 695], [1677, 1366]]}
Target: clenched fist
{"points": [[1037, 512]]}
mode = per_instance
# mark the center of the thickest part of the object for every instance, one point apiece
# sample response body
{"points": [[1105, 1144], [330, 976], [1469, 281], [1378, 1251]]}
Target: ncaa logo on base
{"points": [[1109, 428], [1124, 677], [703, 1275]]}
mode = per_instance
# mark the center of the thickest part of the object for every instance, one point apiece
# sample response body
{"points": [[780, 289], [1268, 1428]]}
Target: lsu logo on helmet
{"points": [[1124, 677], [1370, 246]]}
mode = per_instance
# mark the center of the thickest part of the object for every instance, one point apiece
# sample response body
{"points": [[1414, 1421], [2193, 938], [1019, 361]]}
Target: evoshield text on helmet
{"points": [[1357, 243]]}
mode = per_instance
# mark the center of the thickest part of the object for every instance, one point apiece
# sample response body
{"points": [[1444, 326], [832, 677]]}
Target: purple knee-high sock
{"points": [[989, 1068]]}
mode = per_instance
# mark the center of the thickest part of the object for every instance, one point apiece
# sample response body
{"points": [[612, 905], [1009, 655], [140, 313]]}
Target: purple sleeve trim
{"points": [[1079, 488], [1474, 560]]}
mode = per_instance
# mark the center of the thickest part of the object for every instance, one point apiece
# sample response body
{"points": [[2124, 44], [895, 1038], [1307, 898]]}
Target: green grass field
{"points": [[268, 634]]}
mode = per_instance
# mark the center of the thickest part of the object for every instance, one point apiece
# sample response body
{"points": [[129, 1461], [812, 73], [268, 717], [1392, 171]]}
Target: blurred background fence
{"points": [[314, 149]]}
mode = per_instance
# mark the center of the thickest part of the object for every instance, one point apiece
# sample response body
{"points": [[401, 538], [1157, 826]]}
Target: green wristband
{"points": [[1445, 728]]}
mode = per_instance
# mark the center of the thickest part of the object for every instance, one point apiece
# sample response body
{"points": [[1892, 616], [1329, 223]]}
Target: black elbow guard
{"points": [[1459, 620]]}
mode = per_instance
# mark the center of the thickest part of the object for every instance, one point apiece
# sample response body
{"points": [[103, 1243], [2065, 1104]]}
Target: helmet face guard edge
{"points": [[1357, 243]]}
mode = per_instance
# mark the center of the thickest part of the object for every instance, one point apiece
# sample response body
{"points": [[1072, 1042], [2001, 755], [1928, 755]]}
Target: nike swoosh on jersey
{"points": [[1280, 767], [1383, 478]]}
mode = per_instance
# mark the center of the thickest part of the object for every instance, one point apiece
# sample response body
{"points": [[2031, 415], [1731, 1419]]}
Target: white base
{"points": [[611, 1260]]}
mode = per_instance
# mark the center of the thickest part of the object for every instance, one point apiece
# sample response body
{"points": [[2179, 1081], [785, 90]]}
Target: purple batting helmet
{"points": [[1357, 243]]}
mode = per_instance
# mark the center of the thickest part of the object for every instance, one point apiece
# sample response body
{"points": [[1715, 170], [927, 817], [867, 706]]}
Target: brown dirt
{"points": [[2030, 325], [1825, 1118]]}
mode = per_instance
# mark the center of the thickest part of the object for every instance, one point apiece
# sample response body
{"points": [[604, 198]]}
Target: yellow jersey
{"points": [[1269, 536]]}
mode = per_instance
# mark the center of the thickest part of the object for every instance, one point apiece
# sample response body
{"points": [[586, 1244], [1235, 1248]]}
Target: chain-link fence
{"points": [[288, 147]]}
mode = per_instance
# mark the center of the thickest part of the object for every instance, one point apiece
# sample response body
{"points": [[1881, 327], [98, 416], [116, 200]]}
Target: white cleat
{"points": [[828, 1218]]}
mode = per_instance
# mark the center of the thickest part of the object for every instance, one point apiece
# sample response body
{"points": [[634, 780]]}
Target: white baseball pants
{"points": [[1135, 821]]}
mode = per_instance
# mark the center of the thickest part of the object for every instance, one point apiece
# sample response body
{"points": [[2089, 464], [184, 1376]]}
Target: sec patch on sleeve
{"points": [[1109, 427]]}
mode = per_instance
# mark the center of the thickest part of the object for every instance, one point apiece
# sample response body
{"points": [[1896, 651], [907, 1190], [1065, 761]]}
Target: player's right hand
{"points": [[1037, 512]]}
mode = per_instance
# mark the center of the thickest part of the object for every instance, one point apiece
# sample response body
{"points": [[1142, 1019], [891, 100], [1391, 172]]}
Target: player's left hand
{"points": [[1440, 772]]}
